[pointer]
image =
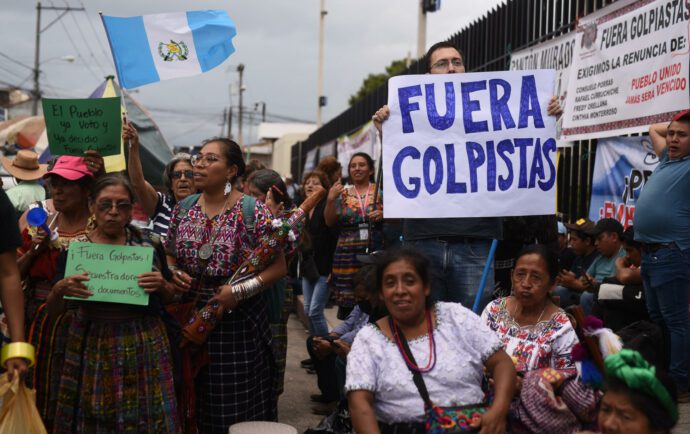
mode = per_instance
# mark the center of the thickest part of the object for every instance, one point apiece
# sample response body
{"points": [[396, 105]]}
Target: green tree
{"points": [[373, 81]]}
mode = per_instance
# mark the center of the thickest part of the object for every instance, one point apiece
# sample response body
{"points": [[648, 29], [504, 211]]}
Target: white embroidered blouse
{"points": [[463, 344]]}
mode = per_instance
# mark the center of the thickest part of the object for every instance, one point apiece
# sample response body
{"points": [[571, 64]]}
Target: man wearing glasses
{"points": [[457, 247]]}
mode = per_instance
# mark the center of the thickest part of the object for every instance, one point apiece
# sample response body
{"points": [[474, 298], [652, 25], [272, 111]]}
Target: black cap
{"points": [[608, 225]]}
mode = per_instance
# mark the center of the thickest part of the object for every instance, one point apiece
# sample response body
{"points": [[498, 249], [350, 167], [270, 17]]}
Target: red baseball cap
{"points": [[685, 114], [69, 167]]}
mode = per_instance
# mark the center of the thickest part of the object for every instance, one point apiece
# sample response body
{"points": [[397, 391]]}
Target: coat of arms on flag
{"points": [[172, 50]]}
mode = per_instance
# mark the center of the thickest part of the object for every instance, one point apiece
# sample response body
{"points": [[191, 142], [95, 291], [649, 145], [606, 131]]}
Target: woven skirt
{"points": [[345, 265], [238, 384], [49, 337], [117, 378]]}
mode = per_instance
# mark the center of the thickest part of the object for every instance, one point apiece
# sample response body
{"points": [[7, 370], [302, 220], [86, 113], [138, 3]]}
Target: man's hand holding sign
{"points": [[470, 145]]}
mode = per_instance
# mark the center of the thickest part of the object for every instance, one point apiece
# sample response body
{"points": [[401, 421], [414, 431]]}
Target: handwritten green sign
{"points": [[78, 125], [114, 271]]}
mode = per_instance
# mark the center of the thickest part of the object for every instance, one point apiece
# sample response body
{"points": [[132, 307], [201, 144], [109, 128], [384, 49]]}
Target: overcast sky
{"points": [[277, 41]]}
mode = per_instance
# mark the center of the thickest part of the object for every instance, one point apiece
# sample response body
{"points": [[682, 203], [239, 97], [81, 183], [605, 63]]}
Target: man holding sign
{"points": [[514, 151]]}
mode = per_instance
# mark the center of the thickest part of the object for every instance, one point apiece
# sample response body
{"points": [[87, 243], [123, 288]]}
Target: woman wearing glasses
{"points": [[210, 235], [117, 370], [177, 176]]}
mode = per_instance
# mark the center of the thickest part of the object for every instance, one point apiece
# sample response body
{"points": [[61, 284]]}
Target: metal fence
{"points": [[487, 44]]}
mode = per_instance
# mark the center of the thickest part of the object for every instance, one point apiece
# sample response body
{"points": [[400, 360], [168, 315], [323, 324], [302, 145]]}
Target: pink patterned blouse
{"points": [[545, 345]]}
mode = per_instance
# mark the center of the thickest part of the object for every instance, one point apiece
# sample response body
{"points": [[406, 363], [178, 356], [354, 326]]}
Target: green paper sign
{"points": [[78, 125], [114, 271]]}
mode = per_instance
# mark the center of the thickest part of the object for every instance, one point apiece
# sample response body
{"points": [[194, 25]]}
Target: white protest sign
{"points": [[469, 145], [630, 70], [363, 140]]}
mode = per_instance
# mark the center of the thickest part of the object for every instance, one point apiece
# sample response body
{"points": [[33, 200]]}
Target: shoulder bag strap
{"points": [[416, 375], [187, 203], [248, 205]]}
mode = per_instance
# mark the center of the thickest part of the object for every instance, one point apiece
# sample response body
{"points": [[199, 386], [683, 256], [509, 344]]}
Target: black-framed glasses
{"points": [[107, 205], [179, 173], [444, 63], [204, 158]]}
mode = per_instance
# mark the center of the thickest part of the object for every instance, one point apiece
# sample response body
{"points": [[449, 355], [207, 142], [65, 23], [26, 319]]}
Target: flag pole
{"points": [[485, 275], [117, 73]]}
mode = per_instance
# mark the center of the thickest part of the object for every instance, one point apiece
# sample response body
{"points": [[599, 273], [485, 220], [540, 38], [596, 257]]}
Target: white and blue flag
{"points": [[151, 48]]}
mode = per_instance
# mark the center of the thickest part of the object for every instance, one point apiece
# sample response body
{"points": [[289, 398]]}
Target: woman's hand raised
{"points": [[335, 191]]}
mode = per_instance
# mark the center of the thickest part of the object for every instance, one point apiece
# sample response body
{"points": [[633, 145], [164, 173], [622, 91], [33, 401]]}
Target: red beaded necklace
{"points": [[395, 329]]}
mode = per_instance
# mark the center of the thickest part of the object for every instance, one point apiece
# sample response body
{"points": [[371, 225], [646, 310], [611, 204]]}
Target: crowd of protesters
{"points": [[537, 354]]}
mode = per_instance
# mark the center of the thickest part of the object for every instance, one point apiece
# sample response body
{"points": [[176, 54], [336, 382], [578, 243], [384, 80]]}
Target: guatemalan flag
{"points": [[151, 48]]}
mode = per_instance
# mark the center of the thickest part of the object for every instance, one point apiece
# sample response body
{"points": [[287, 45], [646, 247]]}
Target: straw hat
{"points": [[25, 166]]}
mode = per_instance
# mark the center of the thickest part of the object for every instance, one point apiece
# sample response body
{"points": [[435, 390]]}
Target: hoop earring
{"points": [[228, 187]]}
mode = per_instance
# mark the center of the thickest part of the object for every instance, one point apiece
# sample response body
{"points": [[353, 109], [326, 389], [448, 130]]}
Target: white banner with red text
{"points": [[630, 69]]}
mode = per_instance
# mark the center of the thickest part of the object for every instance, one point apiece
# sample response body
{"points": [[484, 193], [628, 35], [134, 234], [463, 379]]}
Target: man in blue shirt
{"points": [[662, 225]]}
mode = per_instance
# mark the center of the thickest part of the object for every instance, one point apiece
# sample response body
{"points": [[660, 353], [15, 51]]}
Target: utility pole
{"points": [[424, 7], [421, 30], [263, 109], [230, 123], [37, 55], [319, 84], [240, 69]]}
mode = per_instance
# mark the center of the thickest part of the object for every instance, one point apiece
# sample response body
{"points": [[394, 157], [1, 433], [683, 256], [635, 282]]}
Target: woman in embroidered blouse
{"points": [[206, 244], [451, 348], [534, 330], [351, 210]]}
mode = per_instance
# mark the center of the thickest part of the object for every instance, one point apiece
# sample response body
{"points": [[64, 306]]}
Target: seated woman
{"points": [[445, 344], [539, 336], [117, 370], [638, 399], [534, 330]]}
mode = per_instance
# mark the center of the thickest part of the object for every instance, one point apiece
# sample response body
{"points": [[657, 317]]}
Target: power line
{"points": [[86, 43], [69, 37], [105, 52], [16, 61], [4, 68]]}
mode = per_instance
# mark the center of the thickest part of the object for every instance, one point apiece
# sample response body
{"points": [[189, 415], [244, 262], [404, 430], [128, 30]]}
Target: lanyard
{"points": [[362, 205]]}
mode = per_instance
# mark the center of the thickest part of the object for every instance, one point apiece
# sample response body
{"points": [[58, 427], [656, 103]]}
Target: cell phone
{"points": [[330, 338]]}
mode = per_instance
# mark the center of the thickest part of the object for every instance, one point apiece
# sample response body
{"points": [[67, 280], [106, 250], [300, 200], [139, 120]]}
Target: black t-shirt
{"points": [[11, 238], [472, 227], [322, 240], [581, 263], [566, 258]]}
